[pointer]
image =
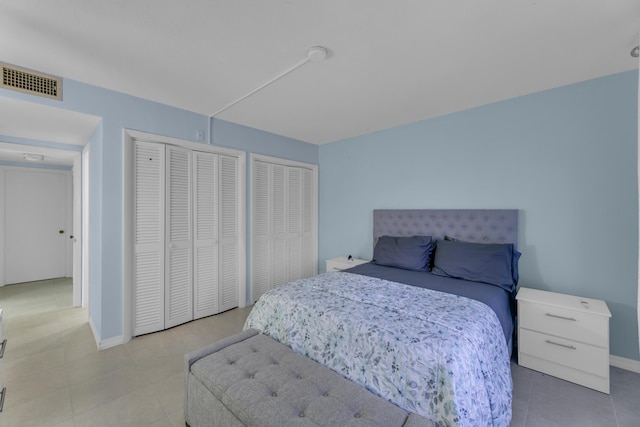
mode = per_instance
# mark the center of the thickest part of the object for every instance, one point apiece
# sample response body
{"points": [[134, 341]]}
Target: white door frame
{"points": [[76, 227], [83, 237]]}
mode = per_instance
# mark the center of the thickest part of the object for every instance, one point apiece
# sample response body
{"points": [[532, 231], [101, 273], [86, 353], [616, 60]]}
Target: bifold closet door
{"points": [[205, 234], [294, 223], [148, 230], [261, 280], [178, 238], [307, 261], [279, 225], [162, 235], [269, 260], [216, 233], [229, 231], [282, 225], [300, 223], [187, 235]]}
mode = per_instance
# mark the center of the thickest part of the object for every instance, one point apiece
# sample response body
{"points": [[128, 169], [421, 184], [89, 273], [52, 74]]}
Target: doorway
{"points": [[55, 193]]}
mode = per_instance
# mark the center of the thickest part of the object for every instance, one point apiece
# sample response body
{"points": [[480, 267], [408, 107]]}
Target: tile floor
{"points": [[55, 376]]}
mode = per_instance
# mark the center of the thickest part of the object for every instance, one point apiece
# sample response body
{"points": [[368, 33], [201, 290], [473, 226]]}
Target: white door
{"points": [[205, 234], [37, 214], [216, 233], [284, 223], [229, 264], [187, 227], [308, 255], [278, 225], [178, 239], [148, 237], [261, 262], [294, 223]]}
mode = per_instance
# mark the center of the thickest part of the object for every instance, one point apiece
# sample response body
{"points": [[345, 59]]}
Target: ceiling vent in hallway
{"points": [[31, 82]]}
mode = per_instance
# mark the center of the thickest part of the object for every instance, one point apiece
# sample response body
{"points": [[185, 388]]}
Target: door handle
{"points": [[61, 231]]}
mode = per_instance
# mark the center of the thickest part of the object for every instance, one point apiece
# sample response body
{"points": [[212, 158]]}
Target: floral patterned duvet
{"points": [[437, 354]]}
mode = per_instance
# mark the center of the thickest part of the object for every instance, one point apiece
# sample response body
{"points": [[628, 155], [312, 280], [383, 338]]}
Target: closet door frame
{"points": [[129, 138], [314, 207]]}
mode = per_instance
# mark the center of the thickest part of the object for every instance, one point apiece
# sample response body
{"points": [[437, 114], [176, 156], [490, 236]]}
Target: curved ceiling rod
{"points": [[315, 53]]}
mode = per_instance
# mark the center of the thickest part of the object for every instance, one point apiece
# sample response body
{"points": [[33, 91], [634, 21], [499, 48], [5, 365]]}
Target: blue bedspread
{"points": [[440, 355]]}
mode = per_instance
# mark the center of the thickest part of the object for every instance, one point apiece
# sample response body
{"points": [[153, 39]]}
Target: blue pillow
{"points": [[493, 263], [409, 253]]}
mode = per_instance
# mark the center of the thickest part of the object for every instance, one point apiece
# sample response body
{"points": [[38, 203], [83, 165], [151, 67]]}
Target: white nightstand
{"points": [[342, 263], [564, 336]]}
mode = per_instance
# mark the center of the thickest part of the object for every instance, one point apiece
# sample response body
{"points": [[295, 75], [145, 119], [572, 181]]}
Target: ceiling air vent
{"points": [[31, 82]]}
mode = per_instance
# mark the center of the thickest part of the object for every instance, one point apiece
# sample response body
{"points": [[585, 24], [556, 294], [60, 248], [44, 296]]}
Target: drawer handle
{"points": [[561, 345], [2, 347], [560, 317], [3, 393]]}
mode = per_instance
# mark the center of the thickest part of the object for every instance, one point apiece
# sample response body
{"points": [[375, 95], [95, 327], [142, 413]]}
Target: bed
{"points": [[426, 325]]}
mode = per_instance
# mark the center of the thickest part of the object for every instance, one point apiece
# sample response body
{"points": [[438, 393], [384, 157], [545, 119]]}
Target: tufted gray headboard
{"points": [[471, 225]]}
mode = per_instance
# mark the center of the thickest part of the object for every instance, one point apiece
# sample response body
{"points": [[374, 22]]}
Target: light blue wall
{"points": [[119, 111], [226, 134], [565, 157], [95, 221]]}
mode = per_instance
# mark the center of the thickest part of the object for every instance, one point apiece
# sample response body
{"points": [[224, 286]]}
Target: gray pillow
{"points": [[491, 263], [409, 253]]}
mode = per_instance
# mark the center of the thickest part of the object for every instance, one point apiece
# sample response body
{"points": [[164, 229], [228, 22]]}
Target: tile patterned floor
{"points": [[55, 376]]}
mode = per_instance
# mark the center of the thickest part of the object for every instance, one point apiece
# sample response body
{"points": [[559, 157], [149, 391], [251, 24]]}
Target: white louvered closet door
{"points": [[178, 238], [279, 258], [205, 234], [229, 233], [283, 225], [294, 223], [307, 260], [261, 233], [148, 230], [188, 236]]}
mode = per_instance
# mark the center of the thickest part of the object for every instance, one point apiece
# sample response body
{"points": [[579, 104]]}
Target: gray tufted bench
{"points": [[250, 379]]}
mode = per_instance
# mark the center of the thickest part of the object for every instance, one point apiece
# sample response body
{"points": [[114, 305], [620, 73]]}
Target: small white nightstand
{"points": [[342, 263], [564, 336]]}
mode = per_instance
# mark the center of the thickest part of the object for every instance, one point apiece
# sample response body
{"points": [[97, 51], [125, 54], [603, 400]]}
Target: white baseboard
{"points": [[103, 345], [624, 363], [111, 342], [96, 337]]}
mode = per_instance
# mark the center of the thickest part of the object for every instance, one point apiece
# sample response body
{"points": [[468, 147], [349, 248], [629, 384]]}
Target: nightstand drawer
{"points": [[565, 352], [566, 323]]}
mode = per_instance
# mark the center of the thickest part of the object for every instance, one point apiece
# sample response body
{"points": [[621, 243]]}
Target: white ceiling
{"points": [[390, 62], [22, 120]]}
